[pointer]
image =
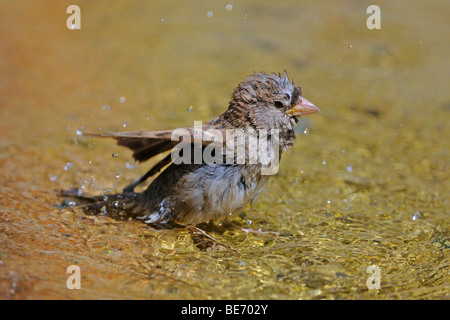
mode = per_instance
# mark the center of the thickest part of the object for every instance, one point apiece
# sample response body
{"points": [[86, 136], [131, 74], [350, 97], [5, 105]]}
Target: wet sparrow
{"points": [[207, 179]]}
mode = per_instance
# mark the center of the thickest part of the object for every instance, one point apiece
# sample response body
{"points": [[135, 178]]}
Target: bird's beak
{"points": [[303, 107]]}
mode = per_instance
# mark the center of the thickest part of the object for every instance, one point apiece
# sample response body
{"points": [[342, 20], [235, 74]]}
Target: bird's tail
{"points": [[119, 205]]}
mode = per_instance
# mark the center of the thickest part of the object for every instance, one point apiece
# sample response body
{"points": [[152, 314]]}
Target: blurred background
{"points": [[366, 184]]}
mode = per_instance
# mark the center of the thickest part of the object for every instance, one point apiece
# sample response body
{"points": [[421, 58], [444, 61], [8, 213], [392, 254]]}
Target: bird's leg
{"points": [[236, 225], [210, 240], [242, 216], [259, 231]]}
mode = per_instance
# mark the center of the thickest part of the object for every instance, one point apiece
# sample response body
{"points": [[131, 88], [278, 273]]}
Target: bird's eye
{"points": [[287, 96], [279, 104]]}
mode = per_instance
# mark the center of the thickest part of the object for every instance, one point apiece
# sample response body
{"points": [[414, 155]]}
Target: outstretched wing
{"points": [[147, 144], [144, 144]]}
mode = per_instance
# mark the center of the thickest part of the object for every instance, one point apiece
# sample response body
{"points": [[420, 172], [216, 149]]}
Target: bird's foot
{"points": [[204, 241]]}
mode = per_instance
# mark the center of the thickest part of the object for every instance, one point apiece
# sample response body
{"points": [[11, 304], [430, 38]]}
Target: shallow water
{"points": [[368, 184]]}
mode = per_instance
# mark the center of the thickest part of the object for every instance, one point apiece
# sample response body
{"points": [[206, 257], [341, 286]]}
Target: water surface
{"points": [[368, 184]]}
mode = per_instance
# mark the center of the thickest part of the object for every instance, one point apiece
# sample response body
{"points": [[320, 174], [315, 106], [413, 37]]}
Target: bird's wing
{"points": [[147, 144]]}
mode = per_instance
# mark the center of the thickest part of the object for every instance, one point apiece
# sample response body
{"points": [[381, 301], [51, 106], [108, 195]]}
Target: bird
{"points": [[268, 105]]}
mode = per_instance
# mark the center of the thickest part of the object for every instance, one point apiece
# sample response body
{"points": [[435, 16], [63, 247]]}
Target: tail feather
{"points": [[120, 205]]}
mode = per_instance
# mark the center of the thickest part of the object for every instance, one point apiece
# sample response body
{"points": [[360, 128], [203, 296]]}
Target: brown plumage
{"points": [[190, 193]]}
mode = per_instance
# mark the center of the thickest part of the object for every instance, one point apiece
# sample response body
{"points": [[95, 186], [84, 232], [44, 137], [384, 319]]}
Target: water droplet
{"points": [[117, 174], [229, 7], [349, 169], [68, 166], [131, 166], [53, 177], [209, 14], [122, 99], [115, 155], [106, 107], [67, 203], [328, 201], [190, 108], [79, 132], [125, 124], [162, 19], [324, 162], [416, 216]]}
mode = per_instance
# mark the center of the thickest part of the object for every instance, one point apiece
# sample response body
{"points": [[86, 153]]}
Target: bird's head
{"points": [[269, 101]]}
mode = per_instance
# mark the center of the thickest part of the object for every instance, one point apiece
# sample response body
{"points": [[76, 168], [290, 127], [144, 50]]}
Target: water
{"points": [[344, 199]]}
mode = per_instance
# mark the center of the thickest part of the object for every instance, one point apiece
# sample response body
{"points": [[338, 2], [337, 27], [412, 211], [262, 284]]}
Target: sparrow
{"points": [[192, 192]]}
